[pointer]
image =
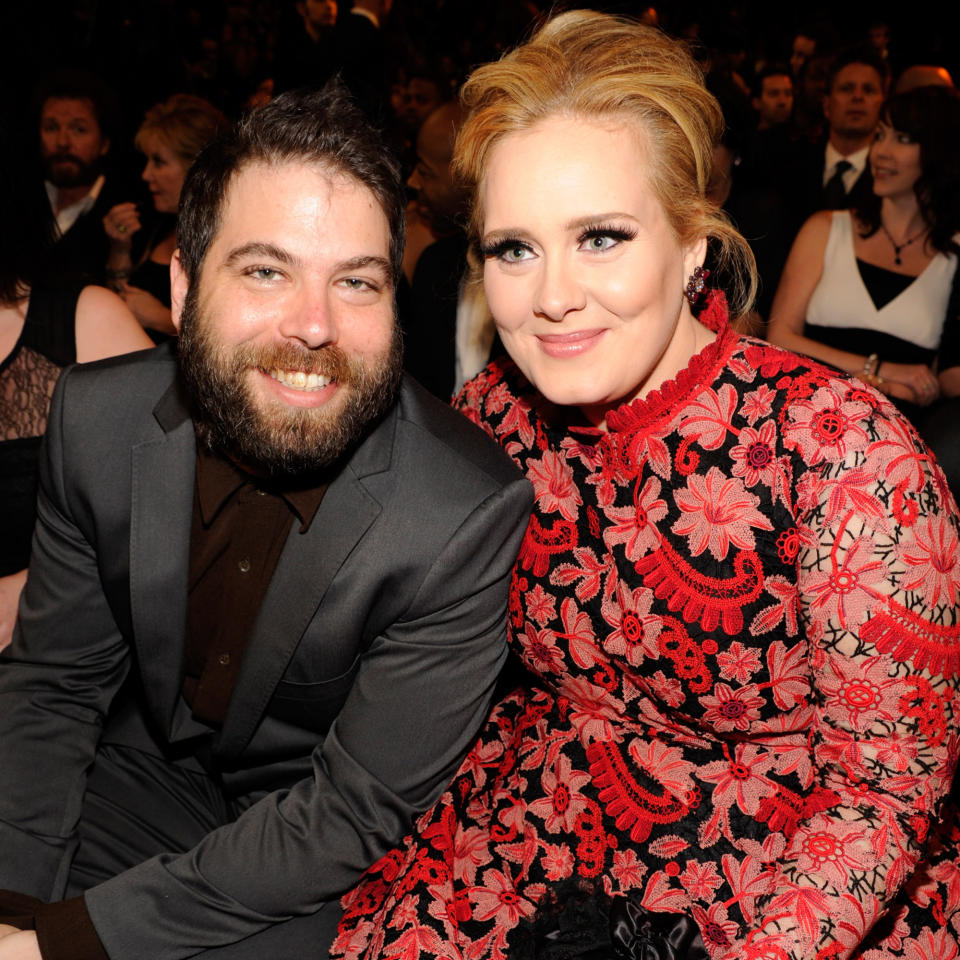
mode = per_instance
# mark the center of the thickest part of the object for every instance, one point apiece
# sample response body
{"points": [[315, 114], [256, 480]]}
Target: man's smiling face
{"points": [[288, 343]]}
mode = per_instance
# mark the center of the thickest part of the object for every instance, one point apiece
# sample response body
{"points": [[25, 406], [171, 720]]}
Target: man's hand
{"points": [[18, 944]]}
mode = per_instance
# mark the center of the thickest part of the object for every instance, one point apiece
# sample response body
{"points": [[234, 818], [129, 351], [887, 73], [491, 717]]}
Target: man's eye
{"points": [[356, 283], [264, 273]]}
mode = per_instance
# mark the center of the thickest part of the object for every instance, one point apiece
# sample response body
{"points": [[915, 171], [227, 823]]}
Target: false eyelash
{"points": [[500, 247], [619, 233]]}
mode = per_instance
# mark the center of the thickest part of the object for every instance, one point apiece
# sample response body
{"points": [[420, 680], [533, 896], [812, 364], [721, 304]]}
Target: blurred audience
{"points": [[76, 121], [138, 263], [874, 290], [48, 319]]}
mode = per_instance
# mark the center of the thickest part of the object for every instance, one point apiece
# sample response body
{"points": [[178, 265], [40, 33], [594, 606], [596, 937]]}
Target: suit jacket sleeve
{"points": [[423, 689], [57, 679]]}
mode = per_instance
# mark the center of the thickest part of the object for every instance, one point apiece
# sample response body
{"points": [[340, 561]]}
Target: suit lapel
{"points": [[161, 511]]}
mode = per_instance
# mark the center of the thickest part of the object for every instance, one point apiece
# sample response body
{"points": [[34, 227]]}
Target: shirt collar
{"points": [[219, 478], [856, 160], [369, 14], [68, 216]]}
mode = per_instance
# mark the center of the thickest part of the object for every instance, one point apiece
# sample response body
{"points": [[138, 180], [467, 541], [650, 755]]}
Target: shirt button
{"points": [[244, 565], [224, 659]]}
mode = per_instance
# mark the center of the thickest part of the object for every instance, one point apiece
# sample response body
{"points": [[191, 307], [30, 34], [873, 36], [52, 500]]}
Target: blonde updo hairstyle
{"points": [[593, 66], [185, 124]]}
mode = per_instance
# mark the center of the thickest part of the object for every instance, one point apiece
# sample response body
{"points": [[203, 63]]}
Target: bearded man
{"points": [[75, 119], [267, 602]]}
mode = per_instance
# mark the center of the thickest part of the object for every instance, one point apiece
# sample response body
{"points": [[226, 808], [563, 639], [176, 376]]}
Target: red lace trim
{"points": [[632, 806], [704, 367], [910, 638], [711, 600]]}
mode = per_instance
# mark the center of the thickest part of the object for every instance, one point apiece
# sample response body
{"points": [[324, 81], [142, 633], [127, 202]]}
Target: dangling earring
{"points": [[696, 283]]}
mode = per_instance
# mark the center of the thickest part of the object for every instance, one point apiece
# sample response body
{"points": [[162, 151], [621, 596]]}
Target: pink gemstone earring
{"points": [[696, 283]]}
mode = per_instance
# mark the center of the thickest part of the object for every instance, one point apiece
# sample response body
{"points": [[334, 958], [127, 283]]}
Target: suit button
{"points": [[224, 659], [244, 565]]}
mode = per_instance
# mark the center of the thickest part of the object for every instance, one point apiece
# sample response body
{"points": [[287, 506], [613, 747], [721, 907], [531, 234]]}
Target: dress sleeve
{"points": [[879, 577]]}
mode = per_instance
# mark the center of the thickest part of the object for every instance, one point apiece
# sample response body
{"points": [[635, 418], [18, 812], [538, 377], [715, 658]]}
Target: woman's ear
{"points": [[694, 255]]}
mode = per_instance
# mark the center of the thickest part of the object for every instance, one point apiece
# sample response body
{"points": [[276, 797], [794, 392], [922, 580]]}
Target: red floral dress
{"points": [[741, 608]]}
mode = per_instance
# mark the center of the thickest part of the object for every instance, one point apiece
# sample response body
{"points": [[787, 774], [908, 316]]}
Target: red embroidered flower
{"points": [[827, 426], [553, 485], [557, 861], [700, 880], [933, 560], [757, 403], [738, 662], [844, 592], [718, 512], [541, 606], [861, 691], [628, 870], [832, 848], [741, 780], [636, 526], [499, 901], [730, 709], [635, 629], [562, 802], [754, 457]]}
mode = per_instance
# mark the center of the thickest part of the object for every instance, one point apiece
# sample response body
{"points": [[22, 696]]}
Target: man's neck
{"points": [[68, 196], [847, 144]]}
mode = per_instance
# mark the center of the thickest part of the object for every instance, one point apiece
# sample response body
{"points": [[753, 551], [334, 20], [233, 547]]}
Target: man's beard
{"points": [[274, 438], [66, 170]]}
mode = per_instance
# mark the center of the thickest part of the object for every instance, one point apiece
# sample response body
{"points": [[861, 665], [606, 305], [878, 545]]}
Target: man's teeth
{"points": [[298, 380]]}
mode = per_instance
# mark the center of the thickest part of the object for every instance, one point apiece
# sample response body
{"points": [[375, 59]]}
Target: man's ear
{"points": [[179, 285], [104, 146]]}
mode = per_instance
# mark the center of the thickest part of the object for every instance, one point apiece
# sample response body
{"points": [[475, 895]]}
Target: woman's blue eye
{"points": [[514, 253], [600, 243]]}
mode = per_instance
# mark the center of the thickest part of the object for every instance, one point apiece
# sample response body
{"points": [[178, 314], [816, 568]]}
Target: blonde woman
{"points": [[170, 137], [737, 597]]}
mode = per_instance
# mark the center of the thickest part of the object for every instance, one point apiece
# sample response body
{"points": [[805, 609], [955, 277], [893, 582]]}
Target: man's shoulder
{"points": [[132, 381], [446, 439]]}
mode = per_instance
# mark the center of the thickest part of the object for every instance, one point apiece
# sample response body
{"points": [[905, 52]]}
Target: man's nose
{"points": [[311, 318]]}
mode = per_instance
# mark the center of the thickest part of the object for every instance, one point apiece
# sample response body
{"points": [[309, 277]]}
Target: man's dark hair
{"points": [[863, 54], [73, 84], [770, 70], [323, 127], [931, 117]]}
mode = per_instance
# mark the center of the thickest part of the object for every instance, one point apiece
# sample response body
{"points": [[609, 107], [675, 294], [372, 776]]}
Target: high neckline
{"points": [[702, 368]]}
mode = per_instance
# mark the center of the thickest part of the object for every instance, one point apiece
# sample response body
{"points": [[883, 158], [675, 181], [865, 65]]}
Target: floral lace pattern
{"points": [[26, 387], [741, 608]]}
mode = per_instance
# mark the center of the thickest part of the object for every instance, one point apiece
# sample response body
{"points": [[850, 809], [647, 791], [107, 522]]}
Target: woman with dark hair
{"points": [[737, 597], [45, 323], [170, 137], [874, 291]]}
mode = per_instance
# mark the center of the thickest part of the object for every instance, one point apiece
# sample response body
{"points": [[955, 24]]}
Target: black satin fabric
{"points": [[578, 924], [639, 934]]}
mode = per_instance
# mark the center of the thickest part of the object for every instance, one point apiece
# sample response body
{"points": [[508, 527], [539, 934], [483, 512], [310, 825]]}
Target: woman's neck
{"points": [[901, 216]]}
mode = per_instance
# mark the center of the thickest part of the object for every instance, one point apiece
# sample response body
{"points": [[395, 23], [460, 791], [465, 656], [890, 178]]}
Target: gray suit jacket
{"points": [[369, 670]]}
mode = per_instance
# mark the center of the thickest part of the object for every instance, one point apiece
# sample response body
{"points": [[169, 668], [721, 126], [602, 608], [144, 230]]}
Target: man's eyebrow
{"points": [[259, 248], [364, 262]]}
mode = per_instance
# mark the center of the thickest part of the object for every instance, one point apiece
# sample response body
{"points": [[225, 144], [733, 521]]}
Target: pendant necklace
{"points": [[897, 247]]}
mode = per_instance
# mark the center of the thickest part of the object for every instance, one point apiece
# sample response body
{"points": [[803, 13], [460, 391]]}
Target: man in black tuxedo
{"points": [[267, 602], [76, 118], [834, 174]]}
